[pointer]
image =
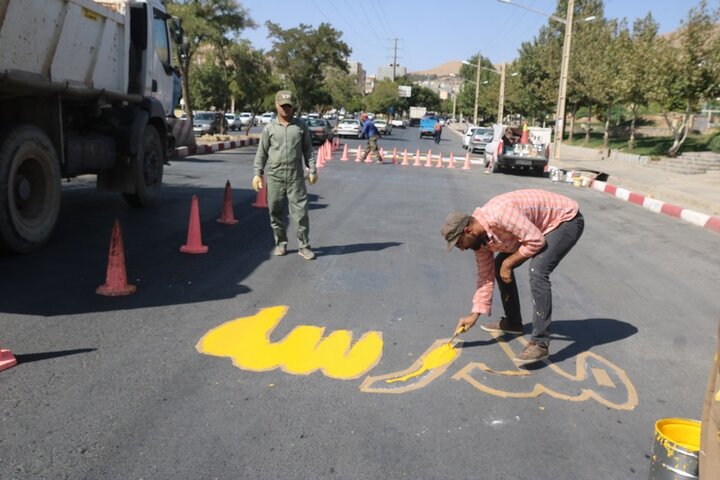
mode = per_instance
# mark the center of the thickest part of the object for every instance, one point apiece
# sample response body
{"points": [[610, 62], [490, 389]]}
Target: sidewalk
{"points": [[693, 198]]}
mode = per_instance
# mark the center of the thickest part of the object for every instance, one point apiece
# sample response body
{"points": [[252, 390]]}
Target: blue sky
{"points": [[431, 33]]}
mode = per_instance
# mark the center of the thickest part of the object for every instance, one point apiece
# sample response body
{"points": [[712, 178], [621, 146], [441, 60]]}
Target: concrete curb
{"points": [[708, 222], [214, 147]]}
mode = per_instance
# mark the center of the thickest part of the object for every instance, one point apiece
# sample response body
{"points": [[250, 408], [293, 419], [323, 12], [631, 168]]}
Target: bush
{"points": [[714, 144]]}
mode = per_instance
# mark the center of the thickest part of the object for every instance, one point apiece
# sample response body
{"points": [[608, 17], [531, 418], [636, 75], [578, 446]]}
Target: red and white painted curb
{"points": [[214, 147], [709, 222]]}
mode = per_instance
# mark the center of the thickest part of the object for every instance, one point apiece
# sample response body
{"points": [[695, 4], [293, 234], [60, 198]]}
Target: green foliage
{"points": [[714, 144], [342, 88], [208, 86], [249, 76], [383, 97]]}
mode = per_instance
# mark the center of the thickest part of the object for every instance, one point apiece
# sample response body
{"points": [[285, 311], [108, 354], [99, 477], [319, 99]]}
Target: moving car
{"points": [[208, 123], [480, 138], [233, 121], [350, 127], [246, 118], [320, 130], [383, 127], [398, 122], [468, 135], [266, 117]]}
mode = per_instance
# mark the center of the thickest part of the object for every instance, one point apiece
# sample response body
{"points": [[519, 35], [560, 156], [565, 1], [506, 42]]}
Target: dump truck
{"points": [[416, 113], [507, 151], [86, 87]]}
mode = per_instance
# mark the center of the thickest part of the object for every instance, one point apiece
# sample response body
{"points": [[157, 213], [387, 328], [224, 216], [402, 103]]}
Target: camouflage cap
{"points": [[453, 227], [285, 97]]}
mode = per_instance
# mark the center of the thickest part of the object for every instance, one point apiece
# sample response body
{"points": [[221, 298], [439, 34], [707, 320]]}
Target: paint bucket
{"points": [[577, 182], [675, 451]]}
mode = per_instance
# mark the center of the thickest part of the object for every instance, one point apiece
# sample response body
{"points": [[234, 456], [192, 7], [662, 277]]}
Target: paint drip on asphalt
{"points": [[439, 357]]}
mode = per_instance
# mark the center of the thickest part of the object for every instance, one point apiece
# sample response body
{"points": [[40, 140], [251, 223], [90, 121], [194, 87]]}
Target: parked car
{"points": [[480, 138], [320, 130], [233, 121], [246, 118], [208, 123], [468, 135], [266, 118], [398, 122], [349, 127], [383, 127]]}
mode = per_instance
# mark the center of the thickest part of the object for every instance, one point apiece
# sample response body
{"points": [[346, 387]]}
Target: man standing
{"points": [[437, 131], [525, 224], [284, 151], [370, 131]]}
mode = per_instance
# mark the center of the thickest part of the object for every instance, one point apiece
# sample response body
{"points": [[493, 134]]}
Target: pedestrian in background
{"points": [[437, 131], [525, 224], [284, 151], [370, 131]]}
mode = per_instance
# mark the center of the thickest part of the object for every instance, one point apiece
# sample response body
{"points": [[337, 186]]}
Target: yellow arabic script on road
{"points": [[246, 340]]}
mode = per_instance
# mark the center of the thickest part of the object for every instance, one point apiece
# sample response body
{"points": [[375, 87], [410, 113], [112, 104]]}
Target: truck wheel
{"points": [[148, 166], [29, 189]]}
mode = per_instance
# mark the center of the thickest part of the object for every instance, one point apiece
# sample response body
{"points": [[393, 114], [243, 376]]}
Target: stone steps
{"points": [[677, 166]]}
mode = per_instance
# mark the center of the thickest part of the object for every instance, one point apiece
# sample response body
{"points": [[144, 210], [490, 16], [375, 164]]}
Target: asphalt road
{"points": [[115, 388]]}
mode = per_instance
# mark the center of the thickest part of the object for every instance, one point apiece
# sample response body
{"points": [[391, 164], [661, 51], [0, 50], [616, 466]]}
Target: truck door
{"points": [[160, 59]]}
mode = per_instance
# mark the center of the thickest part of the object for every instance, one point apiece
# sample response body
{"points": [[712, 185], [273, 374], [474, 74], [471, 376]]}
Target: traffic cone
{"points": [[345, 154], [394, 160], [358, 158], [405, 158], [428, 162], [116, 277], [194, 237], [451, 163], [524, 136], [467, 162], [320, 162], [227, 216], [439, 164], [7, 359], [261, 198], [416, 163], [328, 151]]}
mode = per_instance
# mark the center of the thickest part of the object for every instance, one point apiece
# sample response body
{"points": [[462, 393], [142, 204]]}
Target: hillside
{"points": [[444, 70]]}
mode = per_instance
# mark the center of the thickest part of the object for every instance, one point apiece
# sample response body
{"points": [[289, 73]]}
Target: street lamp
{"points": [[477, 86], [562, 92]]}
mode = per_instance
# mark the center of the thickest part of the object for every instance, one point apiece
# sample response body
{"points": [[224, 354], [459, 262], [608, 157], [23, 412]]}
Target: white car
{"points": [[348, 128], [468, 135], [398, 122], [383, 127], [233, 121], [480, 138], [246, 118], [266, 117]]}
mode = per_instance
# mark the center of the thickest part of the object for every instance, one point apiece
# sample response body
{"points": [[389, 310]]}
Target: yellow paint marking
{"points": [[378, 384], [602, 378], [442, 355], [246, 340]]}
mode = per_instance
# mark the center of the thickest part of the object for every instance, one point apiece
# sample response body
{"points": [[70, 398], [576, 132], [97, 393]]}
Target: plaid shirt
{"points": [[515, 221]]}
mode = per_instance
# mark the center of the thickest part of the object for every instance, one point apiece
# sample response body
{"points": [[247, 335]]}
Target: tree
{"points": [[692, 72], [205, 24], [301, 54], [250, 77], [384, 97], [207, 85], [343, 89]]}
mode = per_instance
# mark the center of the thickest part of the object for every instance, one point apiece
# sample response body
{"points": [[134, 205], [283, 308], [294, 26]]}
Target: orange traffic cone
{"points": [[261, 198], [467, 162], [405, 158], [345, 154], [451, 163], [439, 164], [358, 158], [7, 359], [227, 217], [524, 136], [320, 162], [428, 162], [328, 151], [394, 160], [416, 163], [194, 237], [116, 277]]}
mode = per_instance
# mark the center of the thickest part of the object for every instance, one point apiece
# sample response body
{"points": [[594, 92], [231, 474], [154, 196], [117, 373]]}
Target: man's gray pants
{"points": [[297, 203], [557, 244]]}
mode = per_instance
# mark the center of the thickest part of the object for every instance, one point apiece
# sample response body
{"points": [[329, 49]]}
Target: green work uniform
{"points": [[282, 155]]}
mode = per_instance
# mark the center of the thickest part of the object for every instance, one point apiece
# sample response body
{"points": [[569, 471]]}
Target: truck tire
{"points": [[148, 167], [30, 189]]}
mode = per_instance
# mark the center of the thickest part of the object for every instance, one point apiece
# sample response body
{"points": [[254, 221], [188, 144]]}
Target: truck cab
{"points": [[427, 125], [508, 150]]}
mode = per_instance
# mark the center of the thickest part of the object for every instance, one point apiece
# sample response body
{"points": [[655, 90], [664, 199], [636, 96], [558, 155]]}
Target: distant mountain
{"points": [[444, 70]]}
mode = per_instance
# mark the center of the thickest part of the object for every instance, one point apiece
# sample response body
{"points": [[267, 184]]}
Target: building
{"points": [[355, 68], [386, 72]]}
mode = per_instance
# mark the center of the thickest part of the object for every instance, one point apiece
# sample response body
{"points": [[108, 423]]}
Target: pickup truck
{"points": [[86, 87], [427, 126], [507, 152]]}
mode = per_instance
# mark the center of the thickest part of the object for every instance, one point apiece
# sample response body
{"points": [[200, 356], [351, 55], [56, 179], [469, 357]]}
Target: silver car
{"points": [[479, 139]]}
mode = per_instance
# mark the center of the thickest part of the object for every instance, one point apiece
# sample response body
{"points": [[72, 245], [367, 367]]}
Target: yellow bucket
{"points": [[675, 450]]}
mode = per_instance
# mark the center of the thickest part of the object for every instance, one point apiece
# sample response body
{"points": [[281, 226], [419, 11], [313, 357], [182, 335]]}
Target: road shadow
{"points": [[583, 335], [326, 251], [36, 357]]}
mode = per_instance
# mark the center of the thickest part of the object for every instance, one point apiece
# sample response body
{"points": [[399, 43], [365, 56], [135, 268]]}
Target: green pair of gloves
{"points": [[257, 183]]}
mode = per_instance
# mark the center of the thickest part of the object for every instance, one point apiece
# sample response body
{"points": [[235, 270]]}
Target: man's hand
{"points": [[257, 183], [506, 272], [312, 179], [467, 322]]}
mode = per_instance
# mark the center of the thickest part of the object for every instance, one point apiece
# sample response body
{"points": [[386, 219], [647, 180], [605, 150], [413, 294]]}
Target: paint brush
{"points": [[457, 332]]}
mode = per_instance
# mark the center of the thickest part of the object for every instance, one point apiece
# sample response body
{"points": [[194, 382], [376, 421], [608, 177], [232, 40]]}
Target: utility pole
{"points": [[501, 102], [394, 64], [562, 93], [477, 89]]}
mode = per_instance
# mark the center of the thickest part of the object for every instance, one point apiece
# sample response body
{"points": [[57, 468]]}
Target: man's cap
{"points": [[285, 97], [453, 227]]}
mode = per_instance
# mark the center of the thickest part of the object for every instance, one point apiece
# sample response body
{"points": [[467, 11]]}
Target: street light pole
{"points": [[501, 102], [562, 93], [477, 89]]}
